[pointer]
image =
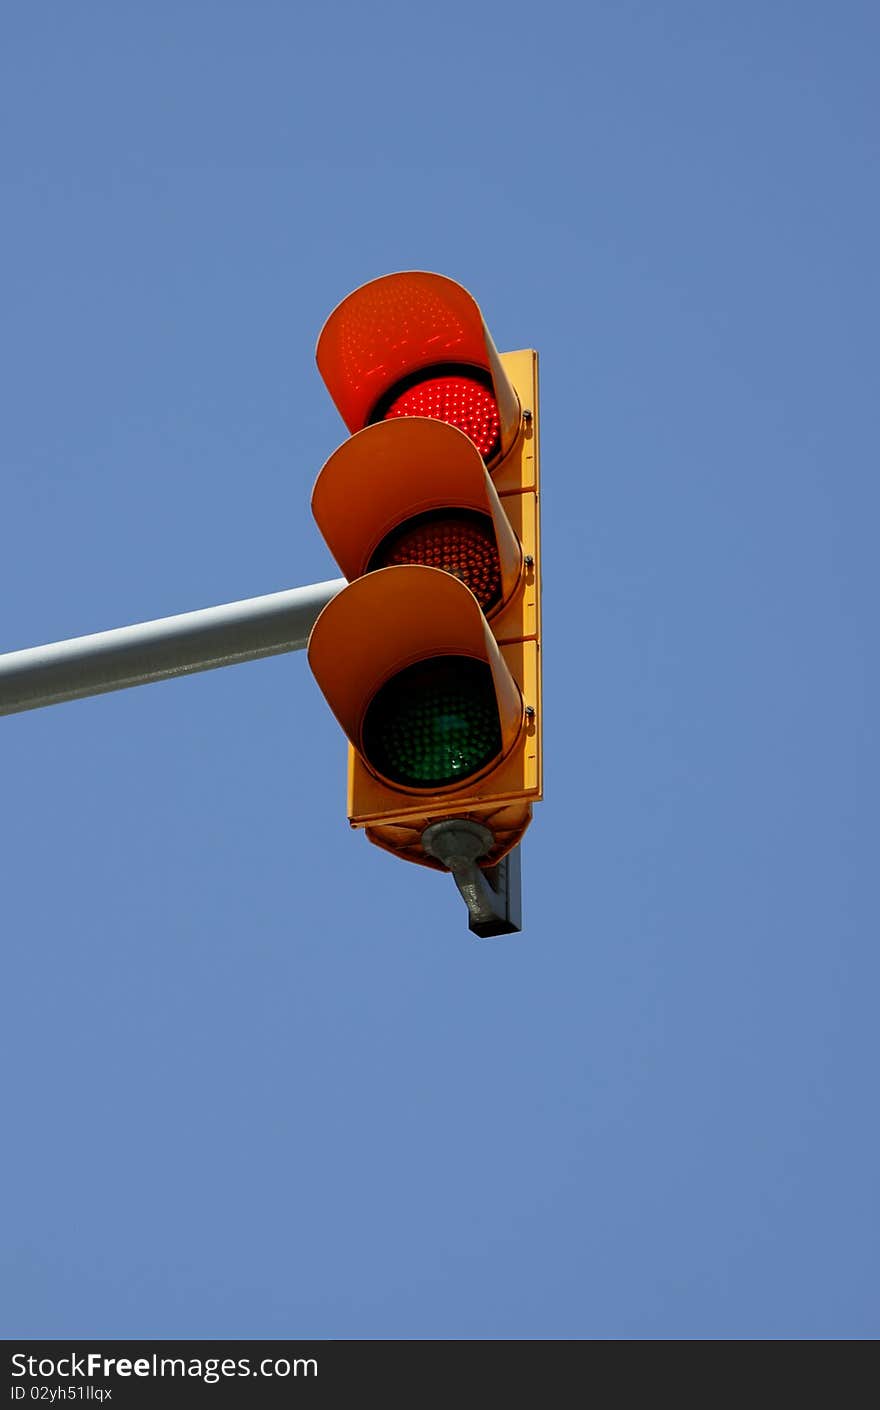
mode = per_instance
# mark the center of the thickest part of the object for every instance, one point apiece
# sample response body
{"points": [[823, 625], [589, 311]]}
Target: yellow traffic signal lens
{"points": [[434, 724], [461, 399], [462, 543]]}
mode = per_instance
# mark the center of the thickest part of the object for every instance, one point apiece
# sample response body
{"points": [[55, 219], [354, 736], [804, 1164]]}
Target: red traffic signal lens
{"points": [[459, 397], [434, 724], [461, 543]]}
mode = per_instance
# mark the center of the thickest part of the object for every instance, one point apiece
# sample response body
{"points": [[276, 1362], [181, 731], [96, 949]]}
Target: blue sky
{"points": [[258, 1080]]}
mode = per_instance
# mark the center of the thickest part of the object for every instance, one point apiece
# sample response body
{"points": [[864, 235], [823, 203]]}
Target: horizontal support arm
{"points": [[155, 651]]}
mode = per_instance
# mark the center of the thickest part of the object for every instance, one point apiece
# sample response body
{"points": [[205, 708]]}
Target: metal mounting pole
{"points": [[493, 896], [156, 651]]}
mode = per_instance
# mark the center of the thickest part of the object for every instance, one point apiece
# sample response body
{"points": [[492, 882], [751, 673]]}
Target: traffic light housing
{"points": [[430, 658]]}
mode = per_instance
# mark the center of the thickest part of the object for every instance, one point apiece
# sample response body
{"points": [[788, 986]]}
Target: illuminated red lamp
{"points": [[415, 344], [457, 398]]}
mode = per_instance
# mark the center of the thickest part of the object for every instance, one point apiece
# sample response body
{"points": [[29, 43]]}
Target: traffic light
{"points": [[430, 658]]}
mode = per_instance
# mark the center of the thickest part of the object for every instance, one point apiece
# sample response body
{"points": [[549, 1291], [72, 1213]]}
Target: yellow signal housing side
{"points": [[517, 479]]}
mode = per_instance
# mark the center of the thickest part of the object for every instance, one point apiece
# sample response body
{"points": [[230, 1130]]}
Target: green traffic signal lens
{"points": [[434, 724], [460, 542]]}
